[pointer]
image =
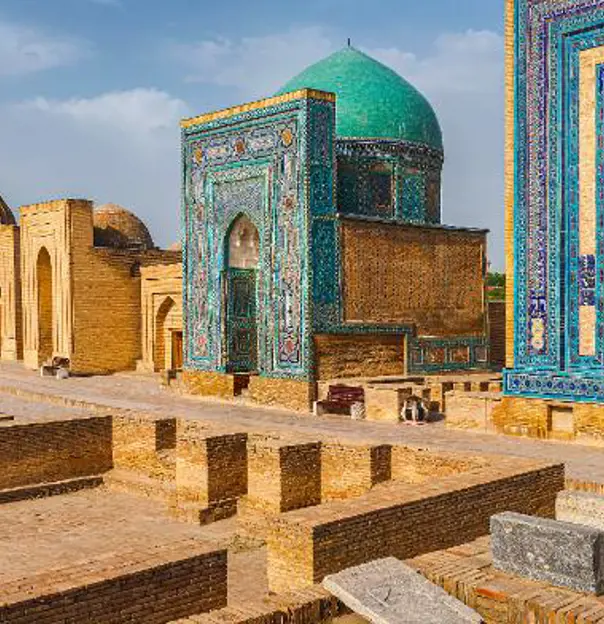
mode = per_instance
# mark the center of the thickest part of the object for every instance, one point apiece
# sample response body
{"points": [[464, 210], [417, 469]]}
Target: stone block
{"points": [[581, 508], [560, 553], [387, 591]]}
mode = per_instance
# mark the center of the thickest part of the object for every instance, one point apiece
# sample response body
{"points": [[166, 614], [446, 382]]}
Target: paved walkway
{"points": [[143, 393]]}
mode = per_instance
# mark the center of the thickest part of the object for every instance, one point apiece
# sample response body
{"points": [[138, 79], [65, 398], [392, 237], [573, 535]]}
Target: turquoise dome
{"points": [[373, 101]]}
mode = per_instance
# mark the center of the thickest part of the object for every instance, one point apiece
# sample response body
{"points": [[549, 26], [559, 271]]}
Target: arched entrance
{"points": [[242, 253], [168, 336], [45, 306]]}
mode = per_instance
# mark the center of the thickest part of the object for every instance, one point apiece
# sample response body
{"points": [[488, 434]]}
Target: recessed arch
{"points": [[165, 309], [242, 243], [242, 256], [45, 305]]}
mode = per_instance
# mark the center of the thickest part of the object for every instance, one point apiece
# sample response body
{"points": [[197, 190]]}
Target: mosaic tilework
{"points": [[556, 280], [247, 165]]}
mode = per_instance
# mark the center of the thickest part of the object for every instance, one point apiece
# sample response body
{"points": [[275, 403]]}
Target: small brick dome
{"points": [[6, 215], [117, 227]]}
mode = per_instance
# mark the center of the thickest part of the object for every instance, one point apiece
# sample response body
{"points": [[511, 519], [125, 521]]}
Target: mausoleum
{"points": [[554, 383], [313, 243]]}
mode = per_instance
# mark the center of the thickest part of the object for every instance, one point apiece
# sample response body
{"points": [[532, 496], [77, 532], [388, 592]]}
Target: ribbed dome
{"points": [[6, 215], [117, 227], [373, 101]]}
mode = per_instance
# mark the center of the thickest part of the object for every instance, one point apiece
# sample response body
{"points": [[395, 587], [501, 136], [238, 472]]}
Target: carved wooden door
{"points": [[242, 340]]}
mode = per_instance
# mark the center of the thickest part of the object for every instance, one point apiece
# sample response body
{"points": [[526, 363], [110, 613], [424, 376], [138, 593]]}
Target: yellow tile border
{"points": [[509, 179], [258, 104]]}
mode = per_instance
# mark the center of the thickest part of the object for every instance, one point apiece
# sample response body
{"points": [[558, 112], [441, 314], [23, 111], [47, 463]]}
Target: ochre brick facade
{"points": [[95, 311], [161, 301], [11, 343], [429, 278], [348, 471]]}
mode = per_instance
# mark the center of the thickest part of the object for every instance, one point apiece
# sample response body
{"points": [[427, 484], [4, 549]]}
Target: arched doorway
{"points": [[242, 253], [168, 336], [45, 306]]}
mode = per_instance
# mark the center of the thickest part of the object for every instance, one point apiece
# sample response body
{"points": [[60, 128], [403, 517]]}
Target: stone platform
{"points": [[97, 557]]}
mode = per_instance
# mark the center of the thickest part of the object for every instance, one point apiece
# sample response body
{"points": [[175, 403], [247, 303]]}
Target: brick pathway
{"points": [[143, 393]]}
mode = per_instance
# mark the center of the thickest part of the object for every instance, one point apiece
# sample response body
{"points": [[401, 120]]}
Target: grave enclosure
{"points": [[294, 509]]}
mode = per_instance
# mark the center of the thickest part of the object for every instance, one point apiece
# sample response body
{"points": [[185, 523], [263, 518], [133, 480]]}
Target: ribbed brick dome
{"points": [[6, 215], [373, 101], [118, 228]]}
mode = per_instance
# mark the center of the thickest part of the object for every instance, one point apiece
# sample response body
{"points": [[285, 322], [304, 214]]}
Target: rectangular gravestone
{"points": [[387, 591], [581, 508], [561, 553]]}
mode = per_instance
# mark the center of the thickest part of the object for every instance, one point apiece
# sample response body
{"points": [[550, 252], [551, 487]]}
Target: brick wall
{"points": [[348, 471], [159, 285], [54, 451], [359, 355], [210, 467], [497, 329], [11, 344], [403, 520], [156, 589], [96, 298], [427, 277]]}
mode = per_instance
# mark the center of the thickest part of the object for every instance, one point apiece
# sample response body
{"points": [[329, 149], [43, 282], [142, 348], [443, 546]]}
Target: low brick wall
{"points": [[310, 605], [403, 521], [54, 451], [351, 470], [419, 465], [289, 393], [137, 440], [156, 588]]}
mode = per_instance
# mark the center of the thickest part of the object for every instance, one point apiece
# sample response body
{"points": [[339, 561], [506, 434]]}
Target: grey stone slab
{"points": [[581, 508], [560, 553], [387, 591]]}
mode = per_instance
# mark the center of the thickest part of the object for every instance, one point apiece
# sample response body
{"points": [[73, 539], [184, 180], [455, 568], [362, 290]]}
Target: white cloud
{"points": [[462, 76], [139, 112], [254, 66], [118, 147], [464, 80], [25, 49], [124, 146]]}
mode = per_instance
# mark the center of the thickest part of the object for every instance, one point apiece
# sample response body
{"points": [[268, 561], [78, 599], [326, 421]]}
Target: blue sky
{"points": [[91, 91]]}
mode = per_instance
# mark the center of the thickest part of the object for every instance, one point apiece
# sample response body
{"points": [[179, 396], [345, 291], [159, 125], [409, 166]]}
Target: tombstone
{"points": [[387, 591], [560, 553]]}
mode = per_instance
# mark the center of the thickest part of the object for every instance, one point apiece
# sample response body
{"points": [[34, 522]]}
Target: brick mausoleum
{"points": [[313, 244]]}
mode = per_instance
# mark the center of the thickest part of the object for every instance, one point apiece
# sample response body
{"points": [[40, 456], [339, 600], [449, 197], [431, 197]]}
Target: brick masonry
{"points": [[154, 588], [54, 451], [403, 520]]}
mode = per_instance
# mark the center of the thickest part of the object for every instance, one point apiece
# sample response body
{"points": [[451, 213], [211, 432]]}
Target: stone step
{"points": [[43, 490], [137, 483]]}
